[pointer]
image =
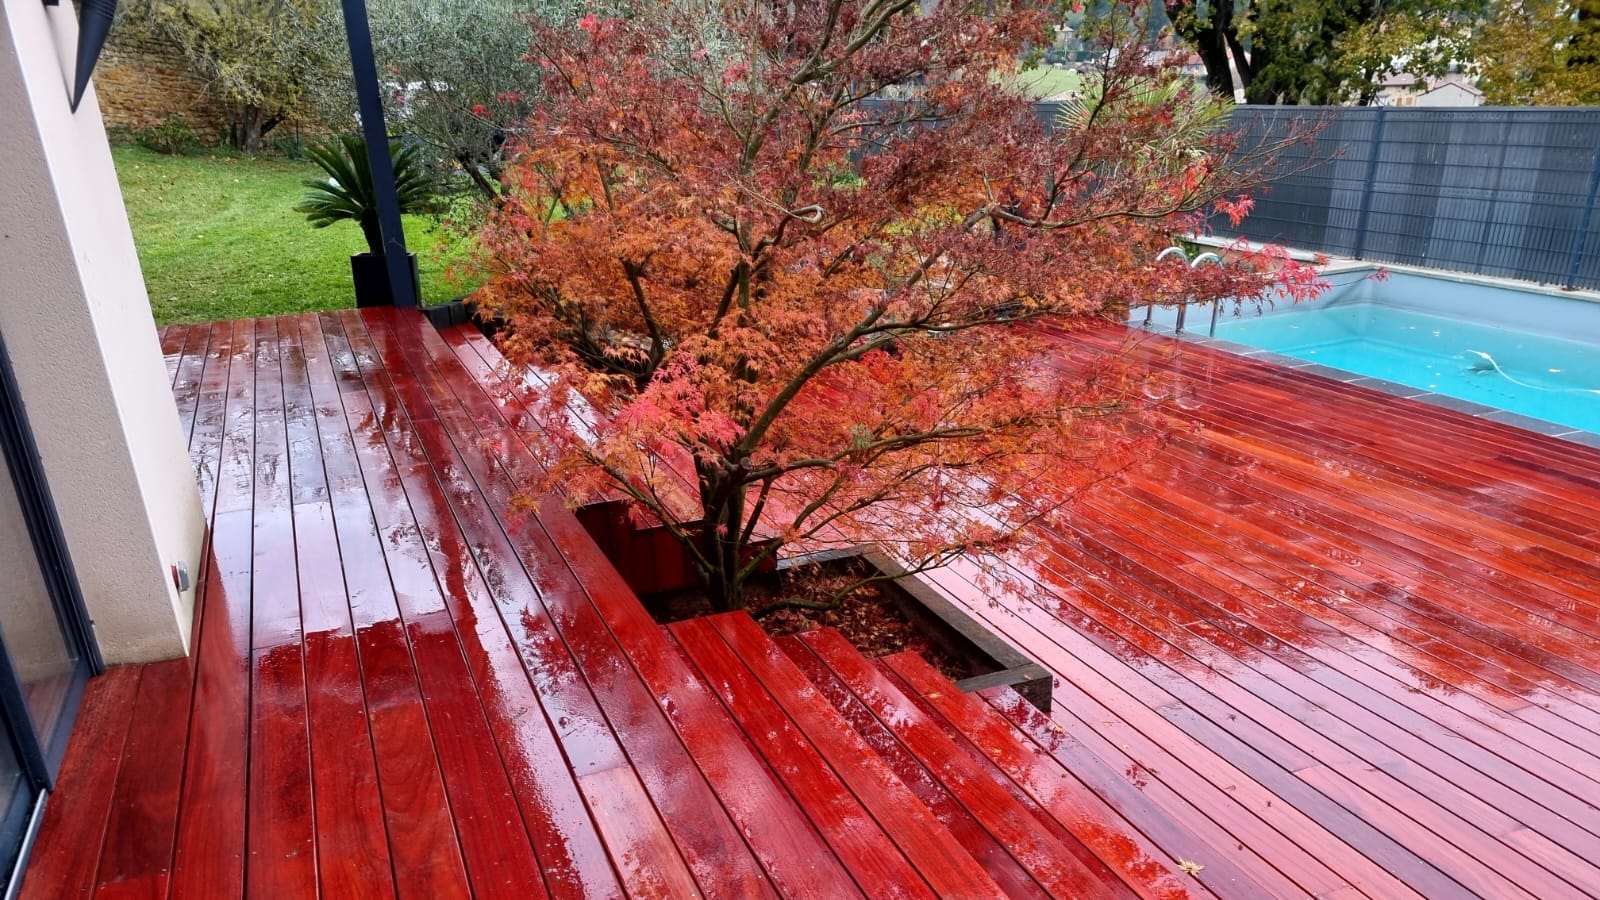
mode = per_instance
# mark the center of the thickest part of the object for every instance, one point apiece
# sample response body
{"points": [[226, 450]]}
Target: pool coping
{"points": [[1392, 388], [1341, 265]]}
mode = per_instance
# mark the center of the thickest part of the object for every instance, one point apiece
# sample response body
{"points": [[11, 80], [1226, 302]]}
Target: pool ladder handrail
{"points": [[1216, 305]]}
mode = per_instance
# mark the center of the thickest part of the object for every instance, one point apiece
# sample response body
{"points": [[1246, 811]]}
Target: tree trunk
{"points": [[372, 231], [1209, 40], [1272, 89], [248, 126], [1586, 34], [1264, 93], [1247, 63], [722, 537], [483, 184], [245, 128]]}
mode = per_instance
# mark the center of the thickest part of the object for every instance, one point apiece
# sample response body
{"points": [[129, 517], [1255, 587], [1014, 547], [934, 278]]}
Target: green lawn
{"points": [[1048, 81], [218, 238]]}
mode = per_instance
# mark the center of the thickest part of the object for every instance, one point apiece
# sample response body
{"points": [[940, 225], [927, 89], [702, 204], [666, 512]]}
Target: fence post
{"points": [[1582, 235], [1372, 175]]}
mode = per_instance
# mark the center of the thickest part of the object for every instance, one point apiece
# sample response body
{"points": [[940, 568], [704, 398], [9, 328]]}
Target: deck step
{"points": [[1000, 833], [1076, 790], [888, 840], [1031, 806]]}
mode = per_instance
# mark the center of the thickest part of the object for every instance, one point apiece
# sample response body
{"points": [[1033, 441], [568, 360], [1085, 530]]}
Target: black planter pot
{"points": [[371, 274]]}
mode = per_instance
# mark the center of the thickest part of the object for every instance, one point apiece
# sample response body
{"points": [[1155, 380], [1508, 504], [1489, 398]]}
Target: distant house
{"points": [[1452, 89], [1450, 93]]}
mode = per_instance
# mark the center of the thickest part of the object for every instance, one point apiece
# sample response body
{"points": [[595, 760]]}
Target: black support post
{"points": [[397, 262]]}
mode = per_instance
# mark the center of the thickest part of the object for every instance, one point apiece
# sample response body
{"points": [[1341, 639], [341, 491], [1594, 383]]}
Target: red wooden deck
{"points": [[1330, 643], [399, 688], [1349, 642]]}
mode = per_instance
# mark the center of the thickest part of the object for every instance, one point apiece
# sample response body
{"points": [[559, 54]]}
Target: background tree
{"points": [[1542, 52], [456, 79], [800, 312], [461, 83], [1321, 51], [257, 57]]}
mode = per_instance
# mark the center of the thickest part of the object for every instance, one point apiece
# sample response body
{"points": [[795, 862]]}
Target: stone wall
{"points": [[143, 84]]}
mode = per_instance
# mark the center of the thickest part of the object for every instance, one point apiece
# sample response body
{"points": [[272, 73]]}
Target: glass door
{"points": [[47, 652], [19, 799]]}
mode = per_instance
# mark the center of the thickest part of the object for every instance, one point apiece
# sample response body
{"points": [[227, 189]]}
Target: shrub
{"points": [[347, 193], [173, 137]]}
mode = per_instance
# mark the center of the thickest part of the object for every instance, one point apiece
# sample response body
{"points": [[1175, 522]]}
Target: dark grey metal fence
{"points": [[1496, 191]]}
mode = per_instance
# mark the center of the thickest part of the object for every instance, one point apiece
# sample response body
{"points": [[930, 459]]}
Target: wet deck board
{"points": [[1349, 638], [402, 685], [358, 718], [1326, 642]]}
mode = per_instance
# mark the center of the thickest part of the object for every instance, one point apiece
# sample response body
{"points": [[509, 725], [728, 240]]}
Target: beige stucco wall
{"points": [[76, 320]]}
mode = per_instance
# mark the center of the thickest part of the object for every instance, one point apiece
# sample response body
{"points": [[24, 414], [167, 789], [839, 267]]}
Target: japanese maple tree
{"points": [[797, 273]]}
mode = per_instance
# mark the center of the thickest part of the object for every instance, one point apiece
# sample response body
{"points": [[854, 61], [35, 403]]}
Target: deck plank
{"points": [[1012, 878], [948, 868], [210, 422], [1482, 694], [402, 628], [1431, 484], [187, 373], [530, 681], [475, 625], [424, 850], [144, 812], [1059, 791], [1091, 698], [1372, 684], [172, 338], [208, 859], [1484, 664], [1324, 641], [352, 850], [352, 846], [336, 550], [791, 854], [1246, 728], [635, 836], [282, 852]]}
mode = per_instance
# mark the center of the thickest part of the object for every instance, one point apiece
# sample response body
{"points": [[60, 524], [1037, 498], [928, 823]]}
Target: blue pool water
{"points": [[1509, 349]]}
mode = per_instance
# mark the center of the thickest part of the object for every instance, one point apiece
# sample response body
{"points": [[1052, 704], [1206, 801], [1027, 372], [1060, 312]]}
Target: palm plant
{"points": [[347, 191], [1174, 119]]}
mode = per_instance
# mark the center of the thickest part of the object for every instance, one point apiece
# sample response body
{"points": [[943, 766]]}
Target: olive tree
{"points": [[456, 78], [258, 58]]}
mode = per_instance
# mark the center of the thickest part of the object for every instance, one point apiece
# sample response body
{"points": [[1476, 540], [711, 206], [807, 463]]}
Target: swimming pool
{"points": [[1527, 350]]}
